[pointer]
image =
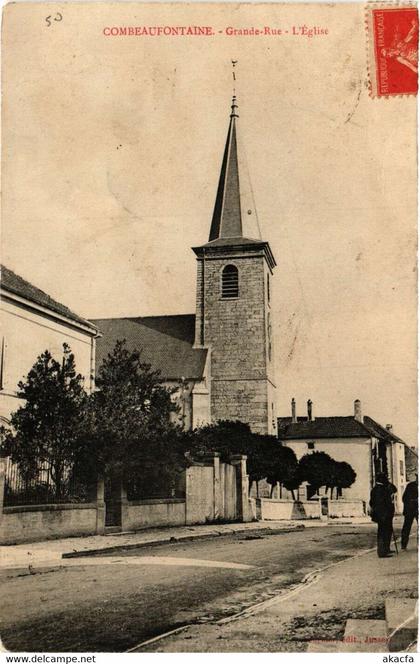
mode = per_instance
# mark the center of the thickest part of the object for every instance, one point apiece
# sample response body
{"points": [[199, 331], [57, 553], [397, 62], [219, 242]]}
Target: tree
{"points": [[319, 469], [345, 476], [226, 437], [131, 433], [293, 481], [261, 458], [234, 437], [316, 469], [46, 430], [283, 467]]}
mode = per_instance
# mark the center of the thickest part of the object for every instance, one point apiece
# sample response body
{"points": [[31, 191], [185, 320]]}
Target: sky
{"points": [[111, 154]]}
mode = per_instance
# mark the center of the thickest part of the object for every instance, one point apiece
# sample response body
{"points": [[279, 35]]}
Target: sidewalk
{"points": [[52, 551], [316, 610]]}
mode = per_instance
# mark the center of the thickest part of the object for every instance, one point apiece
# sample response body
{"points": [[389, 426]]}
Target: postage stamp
{"points": [[393, 37]]}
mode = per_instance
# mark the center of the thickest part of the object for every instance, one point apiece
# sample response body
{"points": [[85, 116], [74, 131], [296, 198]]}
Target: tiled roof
{"points": [[15, 284], [320, 427], [332, 427], [379, 431], [165, 342]]}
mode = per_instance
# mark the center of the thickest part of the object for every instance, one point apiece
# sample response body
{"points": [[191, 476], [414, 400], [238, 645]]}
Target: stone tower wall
{"points": [[237, 332], [235, 328]]}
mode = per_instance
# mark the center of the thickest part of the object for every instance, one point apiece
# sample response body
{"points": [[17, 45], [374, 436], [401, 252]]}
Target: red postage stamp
{"points": [[393, 38]]}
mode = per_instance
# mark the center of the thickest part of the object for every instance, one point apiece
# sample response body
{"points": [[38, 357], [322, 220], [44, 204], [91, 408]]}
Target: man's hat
{"points": [[381, 477]]}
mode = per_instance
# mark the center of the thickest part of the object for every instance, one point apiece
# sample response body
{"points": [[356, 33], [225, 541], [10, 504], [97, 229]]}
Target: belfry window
{"points": [[230, 282]]}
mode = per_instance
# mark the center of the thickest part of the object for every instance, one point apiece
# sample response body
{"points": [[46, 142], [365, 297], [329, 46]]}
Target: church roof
{"points": [[12, 282], [234, 212], [235, 222], [333, 427], [165, 342]]}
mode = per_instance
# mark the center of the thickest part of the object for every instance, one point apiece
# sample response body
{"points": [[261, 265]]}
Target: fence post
{"points": [[214, 460], [124, 507], [100, 506], [188, 494], [242, 502], [216, 485], [324, 511]]}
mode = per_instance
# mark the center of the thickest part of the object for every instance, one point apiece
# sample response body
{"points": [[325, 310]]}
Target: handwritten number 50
{"points": [[57, 17]]}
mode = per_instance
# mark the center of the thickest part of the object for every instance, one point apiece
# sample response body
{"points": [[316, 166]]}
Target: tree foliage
{"points": [[283, 468], [126, 430], [343, 476], [315, 469], [131, 431], [226, 437], [320, 469], [266, 457], [46, 431]]}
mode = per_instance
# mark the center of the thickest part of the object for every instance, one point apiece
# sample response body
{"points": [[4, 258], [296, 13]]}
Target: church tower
{"points": [[233, 317]]}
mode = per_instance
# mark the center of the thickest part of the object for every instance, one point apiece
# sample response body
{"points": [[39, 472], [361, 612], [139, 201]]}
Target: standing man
{"points": [[411, 510], [382, 512]]}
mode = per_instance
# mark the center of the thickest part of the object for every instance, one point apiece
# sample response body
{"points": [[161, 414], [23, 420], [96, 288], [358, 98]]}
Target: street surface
{"points": [[116, 600]]}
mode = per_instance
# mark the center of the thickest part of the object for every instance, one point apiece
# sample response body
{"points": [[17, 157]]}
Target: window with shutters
{"points": [[230, 282]]}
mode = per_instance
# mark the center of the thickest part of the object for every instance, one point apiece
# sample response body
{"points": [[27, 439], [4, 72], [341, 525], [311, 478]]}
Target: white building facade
{"points": [[33, 322], [359, 440]]}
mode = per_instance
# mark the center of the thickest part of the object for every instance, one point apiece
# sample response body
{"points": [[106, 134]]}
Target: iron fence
{"points": [[156, 486], [41, 488]]}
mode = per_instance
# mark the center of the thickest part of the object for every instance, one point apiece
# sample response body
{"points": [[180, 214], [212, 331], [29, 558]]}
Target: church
{"points": [[220, 358]]}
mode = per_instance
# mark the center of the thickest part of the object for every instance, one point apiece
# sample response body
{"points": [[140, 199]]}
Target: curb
{"points": [[308, 580], [183, 538]]}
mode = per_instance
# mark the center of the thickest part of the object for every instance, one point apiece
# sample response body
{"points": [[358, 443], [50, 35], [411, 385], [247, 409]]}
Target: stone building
{"points": [[357, 439], [33, 322], [221, 357]]}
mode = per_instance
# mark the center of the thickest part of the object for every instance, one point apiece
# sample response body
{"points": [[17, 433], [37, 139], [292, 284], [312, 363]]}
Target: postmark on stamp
{"points": [[393, 38]]}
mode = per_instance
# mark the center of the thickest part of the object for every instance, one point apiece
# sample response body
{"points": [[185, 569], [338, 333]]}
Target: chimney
{"points": [[294, 420], [389, 428], [358, 411], [309, 410]]}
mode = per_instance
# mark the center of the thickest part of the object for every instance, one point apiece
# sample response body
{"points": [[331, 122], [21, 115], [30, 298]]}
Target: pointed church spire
{"points": [[234, 214]]}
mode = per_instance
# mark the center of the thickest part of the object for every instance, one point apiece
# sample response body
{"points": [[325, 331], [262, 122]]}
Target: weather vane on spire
{"points": [[234, 104], [234, 63]]}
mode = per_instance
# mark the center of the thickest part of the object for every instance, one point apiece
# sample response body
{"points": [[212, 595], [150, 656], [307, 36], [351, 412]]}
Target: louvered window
{"points": [[230, 282]]}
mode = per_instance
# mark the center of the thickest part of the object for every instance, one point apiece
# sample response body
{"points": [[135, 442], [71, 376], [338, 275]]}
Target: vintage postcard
{"points": [[208, 370]]}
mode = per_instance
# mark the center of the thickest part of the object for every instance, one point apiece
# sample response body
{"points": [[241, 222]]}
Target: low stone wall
{"points": [[29, 523], [252, 510], [270, 509], [201, 492], [214, 491], [138, 514], [346, 508]]}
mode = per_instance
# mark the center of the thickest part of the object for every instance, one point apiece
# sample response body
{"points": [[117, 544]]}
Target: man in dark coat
{"points": [[411, 510], [382, 512]]}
